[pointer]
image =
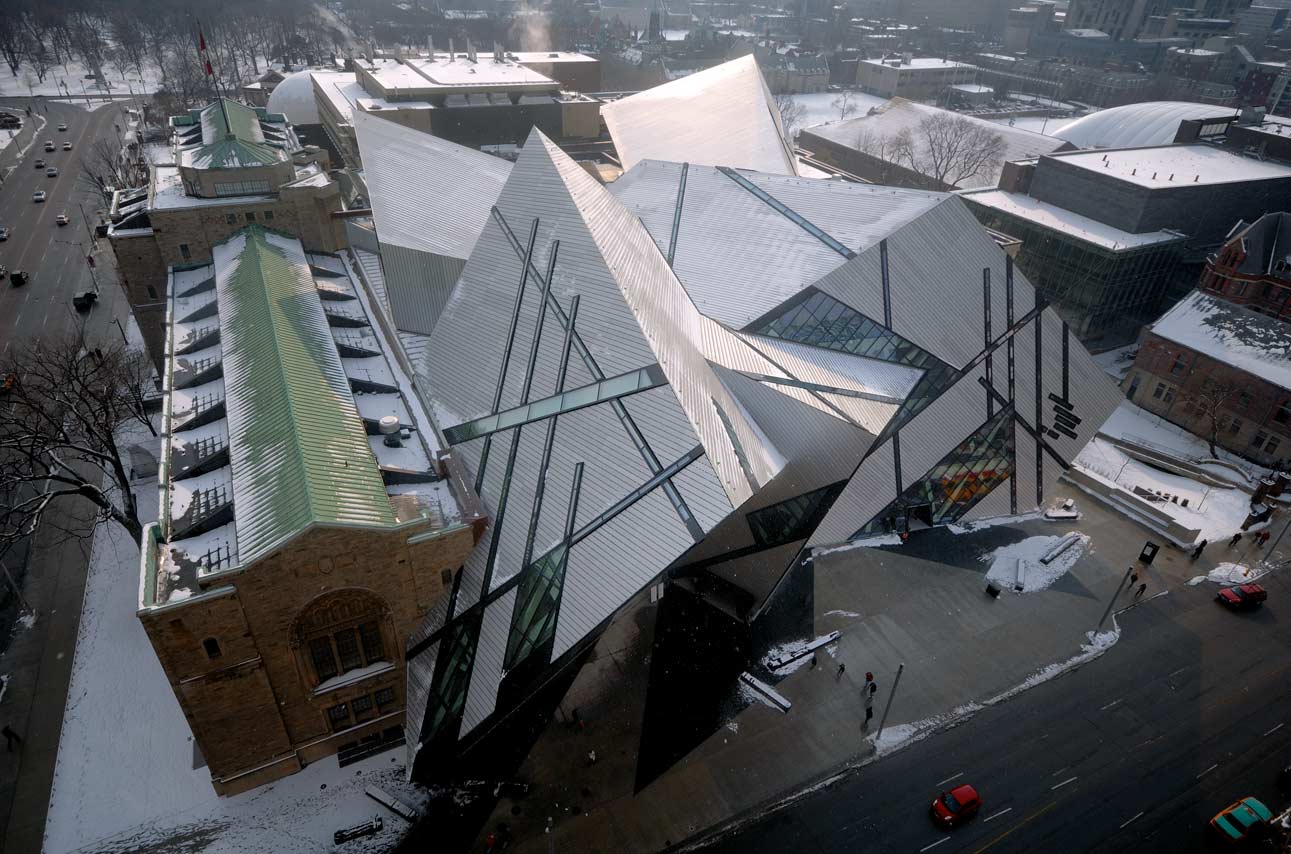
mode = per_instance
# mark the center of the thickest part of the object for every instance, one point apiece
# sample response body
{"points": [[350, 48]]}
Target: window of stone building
{"points": [[1283, 413], [1236, 426], [231, 218], [446, 577], [152, 292], [268, 216], [1271, 445], [340, 633], [212, 647], [384, 698], [184, 253], [362, 707], [1178, 366], [251, 216], [339, 717], [1258, 441]]}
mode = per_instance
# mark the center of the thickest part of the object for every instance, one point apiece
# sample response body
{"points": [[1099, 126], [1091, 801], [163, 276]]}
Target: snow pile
{"points": [[1023, 558], [864, 542], [845, 614], [1229, 574]]}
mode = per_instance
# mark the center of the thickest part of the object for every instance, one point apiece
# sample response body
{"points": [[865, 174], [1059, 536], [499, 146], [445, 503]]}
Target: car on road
{"points": [[1246, 819], [62, 127], [955, 806], [10, 380], [49, 145], [51, 172], [38, 196], [4, 233], [18, 278], [67, 146], [40, 163], [82, 301], [1242, 596], [61, 219]]}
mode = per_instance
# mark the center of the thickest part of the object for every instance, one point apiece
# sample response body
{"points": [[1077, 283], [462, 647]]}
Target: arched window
{"points": [[341, 632]]}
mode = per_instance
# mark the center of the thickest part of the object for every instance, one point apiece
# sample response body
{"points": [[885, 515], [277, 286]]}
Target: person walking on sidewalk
{"points": [[868, 690], [10, 737], [1262, 537], [1196, 553], [1237, 538], [1142, 587]]}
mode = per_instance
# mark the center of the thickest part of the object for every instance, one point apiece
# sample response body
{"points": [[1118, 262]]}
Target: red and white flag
{"points": [[201, 50]]}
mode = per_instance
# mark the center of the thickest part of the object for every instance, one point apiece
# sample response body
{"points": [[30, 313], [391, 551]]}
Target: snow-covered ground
{"points": [[125, 780], [1228, 574], [1048, 126], [1217, 511], [70, 78], [1023, 559], [821, 108], [1136, 424], [1116, 363]]}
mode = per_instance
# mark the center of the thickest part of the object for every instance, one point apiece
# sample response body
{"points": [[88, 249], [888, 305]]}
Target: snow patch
{"points": [[1025, 556], [847, 614], [749, 696], [787, 649], [867, 542], [1228, 574], [994, 521]]}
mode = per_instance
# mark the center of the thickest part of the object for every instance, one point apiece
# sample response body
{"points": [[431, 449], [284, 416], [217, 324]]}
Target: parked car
{"points": [[49, 145], [1246, 819], [62, 127], [51, 172], [4, 233], [61, 219], [1242, 596], [67, 146], [956, 806], [38, 196], [40, 163], [18, 278]]}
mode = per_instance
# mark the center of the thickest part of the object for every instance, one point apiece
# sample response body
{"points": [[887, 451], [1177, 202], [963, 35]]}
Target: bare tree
{"points": [[846, 104], [792, 114], [105, 169], [1210, 405], [13, 36], [63, 413], [948, 149]]}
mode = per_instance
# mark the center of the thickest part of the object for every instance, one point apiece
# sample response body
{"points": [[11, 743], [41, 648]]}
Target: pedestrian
{"points": [[869, 680], [869, 704], [1142, 588], [578, 720], [813, 661], [1196, 553], [591, 757], [1235, 540], [1134, 579], [10, 737], [842, 668], [1264, 537]]}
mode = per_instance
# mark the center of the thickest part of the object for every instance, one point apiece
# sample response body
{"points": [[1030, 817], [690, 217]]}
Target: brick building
{"points": [[1214, 367], [230, 165], [308, 519], [1254, 267]]}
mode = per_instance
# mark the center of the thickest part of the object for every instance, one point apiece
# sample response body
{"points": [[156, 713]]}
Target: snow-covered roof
{"points": [[1267, 246], [722, 116], [1062, 220], [1148, 123], [1231, 334], [1175, 165], [426, 193], [900, 115], [917, 63]]}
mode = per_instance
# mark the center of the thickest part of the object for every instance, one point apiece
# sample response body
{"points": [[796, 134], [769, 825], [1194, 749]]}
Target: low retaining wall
{"points": [[1143, 512]]}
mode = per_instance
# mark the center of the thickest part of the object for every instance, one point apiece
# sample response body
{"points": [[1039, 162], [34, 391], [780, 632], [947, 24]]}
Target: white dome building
{"points": [[1133, 125], [294, 98]]}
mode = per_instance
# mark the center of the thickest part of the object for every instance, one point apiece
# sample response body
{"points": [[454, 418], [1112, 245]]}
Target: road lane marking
{"points": [[952, 777], [935, 844], [997, 815], [1275, 729], [1131, 821], [1059, 771], [1018, 826], [1109, 705], [1175, 673], [1208, 770], [1063, 783]]}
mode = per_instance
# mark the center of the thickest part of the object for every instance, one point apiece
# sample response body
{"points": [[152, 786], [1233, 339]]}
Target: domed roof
{"points": [[294, 98], [1150, 123]]}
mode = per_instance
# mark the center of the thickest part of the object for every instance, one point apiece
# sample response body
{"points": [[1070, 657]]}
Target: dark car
{"points": [[83, 300], [18, 278], [955, 806], [1242, 596]]}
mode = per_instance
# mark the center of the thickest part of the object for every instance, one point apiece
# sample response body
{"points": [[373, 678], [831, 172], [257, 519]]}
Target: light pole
{"points": [[1115, 596], [14, 587], [882, 720]]}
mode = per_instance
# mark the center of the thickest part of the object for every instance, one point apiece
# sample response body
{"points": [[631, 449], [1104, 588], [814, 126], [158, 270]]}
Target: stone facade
{"points": [[1179, 384], [242, 656]]}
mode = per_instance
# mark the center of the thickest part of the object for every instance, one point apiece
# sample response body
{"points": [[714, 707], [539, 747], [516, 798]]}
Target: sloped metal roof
{"points": [[722, 116], [298, 449], [426, 193], [231, 138]]}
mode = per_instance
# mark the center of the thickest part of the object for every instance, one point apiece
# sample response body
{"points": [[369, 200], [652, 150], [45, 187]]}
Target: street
{"points": [[1136, 750], [38, 662]]}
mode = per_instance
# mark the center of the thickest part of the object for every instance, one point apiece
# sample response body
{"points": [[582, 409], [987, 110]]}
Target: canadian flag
{"points": [[201, 49]]}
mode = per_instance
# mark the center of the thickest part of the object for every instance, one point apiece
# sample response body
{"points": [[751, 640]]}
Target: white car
{"points": [[51, 172], [61, 219], [62, 127], [67, 146], [38, 196], [49, 145]]}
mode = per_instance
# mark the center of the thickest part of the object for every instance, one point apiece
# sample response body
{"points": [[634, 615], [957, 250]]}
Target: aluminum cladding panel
{"points": [[871, 489], [482, 695], [417, 286]]}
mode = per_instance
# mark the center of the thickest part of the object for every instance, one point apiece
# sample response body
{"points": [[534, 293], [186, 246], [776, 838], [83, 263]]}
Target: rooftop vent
{"points": [[389, 427]]}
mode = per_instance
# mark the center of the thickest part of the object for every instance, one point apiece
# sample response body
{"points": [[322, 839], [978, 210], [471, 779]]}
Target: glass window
{"points": [[268, 216], [1258, 440], [251, 216], [384, 698], [347, 649], [212, 647], [1271, 446], [230, 218], [339, 717], [1236, 426], [361, 706], [1178, 366], [184, 252], [320, 652], [373, 646], [1283, 413]]}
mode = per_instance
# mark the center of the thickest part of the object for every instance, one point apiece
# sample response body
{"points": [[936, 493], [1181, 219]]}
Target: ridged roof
{"points": [[1132, 125], [232, 138], [298, 448]]}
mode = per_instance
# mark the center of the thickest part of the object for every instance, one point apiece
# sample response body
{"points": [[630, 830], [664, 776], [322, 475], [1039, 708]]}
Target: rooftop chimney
{"points": [[389, 427]]}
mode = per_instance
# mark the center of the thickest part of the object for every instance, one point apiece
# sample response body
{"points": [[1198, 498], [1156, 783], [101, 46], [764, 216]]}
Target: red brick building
{"points": [[1254, 266]]}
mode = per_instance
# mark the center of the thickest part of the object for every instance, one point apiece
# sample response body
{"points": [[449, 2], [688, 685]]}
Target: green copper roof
{"points": [[232, 138], [297, 446]]}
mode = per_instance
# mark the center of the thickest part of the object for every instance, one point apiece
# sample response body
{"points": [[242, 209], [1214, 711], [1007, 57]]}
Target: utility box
{"points": [[1149, 552]]}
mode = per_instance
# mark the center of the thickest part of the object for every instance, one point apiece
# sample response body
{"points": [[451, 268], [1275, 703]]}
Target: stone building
{"points": [[1254, 267], [308, 518], [230, 165], [919, 78], [1221, 371]]}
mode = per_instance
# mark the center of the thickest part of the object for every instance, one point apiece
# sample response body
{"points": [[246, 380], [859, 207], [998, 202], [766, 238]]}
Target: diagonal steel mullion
{"points": [[506, 353], [620, 411], [499, 515]]}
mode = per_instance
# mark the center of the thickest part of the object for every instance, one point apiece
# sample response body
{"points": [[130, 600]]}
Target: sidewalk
{"points": [[922, 604], [14, 151]]}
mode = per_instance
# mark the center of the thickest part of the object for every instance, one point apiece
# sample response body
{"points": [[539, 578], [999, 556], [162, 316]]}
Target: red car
{"points": [[1242, 596], [954, 807]]}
